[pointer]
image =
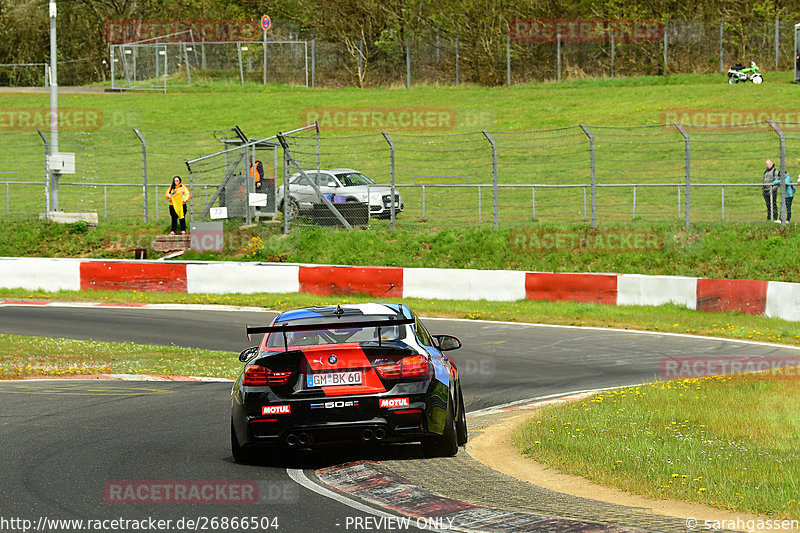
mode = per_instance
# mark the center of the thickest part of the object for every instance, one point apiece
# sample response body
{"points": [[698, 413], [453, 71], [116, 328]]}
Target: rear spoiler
{"points": [[343, 324]]}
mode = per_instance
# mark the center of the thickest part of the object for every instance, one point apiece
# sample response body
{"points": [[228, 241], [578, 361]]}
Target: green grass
{"points": [[22, 356], [736, 251], [665, 318], [649, 156], [687, 440]]}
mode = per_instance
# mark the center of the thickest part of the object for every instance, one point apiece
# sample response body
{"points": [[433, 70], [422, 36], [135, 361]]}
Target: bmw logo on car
{"points": [[332, 359]]}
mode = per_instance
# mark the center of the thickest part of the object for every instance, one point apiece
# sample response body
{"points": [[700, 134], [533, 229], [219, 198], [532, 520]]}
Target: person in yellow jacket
{"points": [[178, 194]]}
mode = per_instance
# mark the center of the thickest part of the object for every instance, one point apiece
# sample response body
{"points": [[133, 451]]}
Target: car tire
{"points": [[241, 454], [461, 426], [446, 444], [294, 209]]}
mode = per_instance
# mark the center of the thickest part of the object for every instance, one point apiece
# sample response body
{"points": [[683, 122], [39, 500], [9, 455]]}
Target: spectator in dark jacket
{"points": [[770, 191]]}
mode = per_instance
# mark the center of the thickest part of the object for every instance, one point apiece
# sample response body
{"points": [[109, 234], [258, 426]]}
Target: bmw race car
{"points": [[366, 373]]}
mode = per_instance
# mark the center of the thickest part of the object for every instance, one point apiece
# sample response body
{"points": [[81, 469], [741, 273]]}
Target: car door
{"points": [[304, 192]]}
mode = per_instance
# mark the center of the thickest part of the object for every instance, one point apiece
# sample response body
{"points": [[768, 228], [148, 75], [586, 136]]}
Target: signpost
{"points": [[266, 23]]}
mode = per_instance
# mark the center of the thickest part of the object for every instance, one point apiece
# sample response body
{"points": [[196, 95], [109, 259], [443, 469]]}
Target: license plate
{"points": [[333, 378]]}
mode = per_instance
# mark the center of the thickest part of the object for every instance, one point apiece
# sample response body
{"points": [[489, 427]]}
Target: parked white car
{"points": [[340, 185]]}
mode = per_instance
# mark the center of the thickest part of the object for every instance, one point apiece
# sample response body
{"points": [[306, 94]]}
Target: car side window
{"points": [[424, 337]]}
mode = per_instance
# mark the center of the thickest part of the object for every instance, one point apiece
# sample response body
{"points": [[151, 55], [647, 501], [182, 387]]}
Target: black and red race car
{"points": [[350, 373]]}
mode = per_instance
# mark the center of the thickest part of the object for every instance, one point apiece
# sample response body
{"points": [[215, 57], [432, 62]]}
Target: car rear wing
{"points": [[329, 324]]}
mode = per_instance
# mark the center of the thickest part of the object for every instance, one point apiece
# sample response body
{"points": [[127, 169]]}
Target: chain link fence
{"points": [[582, 174]]}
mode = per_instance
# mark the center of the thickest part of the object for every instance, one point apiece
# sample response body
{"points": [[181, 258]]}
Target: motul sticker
{"points": [[276, 409], [394, 402]]}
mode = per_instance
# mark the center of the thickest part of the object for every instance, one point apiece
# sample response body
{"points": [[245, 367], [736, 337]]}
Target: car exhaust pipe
{"points": [[367, 435], [380, 434], [304, 438], [292, 440]]}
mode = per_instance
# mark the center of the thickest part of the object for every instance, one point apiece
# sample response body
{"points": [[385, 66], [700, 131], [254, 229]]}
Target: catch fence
{"points": [[583, 174]]}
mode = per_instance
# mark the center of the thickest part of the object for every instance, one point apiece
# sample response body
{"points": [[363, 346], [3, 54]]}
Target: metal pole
{"points": [[241, 71], [265, 57], [721, 48], [533, 203], [105, 201], [612, 54], [782, 179], [508, 60], [8, 198], [305, 57], [186, 62], [360, 62], [479, 203], [666, 47], [634, 203], [314, 59], [408, 65], [156, 191], [391, 179], [53, 105], [688, 183], [723, 202], [777, 41], [111, 57], [592, 169], [458, 75], [584, 202], [495, 206], [46, 171], [423, 201], [558, 56], [144, 171]]}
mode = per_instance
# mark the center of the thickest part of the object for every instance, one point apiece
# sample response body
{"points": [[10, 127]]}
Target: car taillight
{"points": [[414, 366], [261, 375]]}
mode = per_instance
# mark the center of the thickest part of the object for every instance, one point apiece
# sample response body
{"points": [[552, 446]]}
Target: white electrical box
{"points": [[63, 163]]}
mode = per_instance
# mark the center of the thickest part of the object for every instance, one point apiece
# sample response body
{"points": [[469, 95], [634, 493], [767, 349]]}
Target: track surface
{"points": [[64, 441]]}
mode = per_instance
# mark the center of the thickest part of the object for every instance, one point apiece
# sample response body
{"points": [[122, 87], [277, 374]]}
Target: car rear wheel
{"points": [[445, 445], [294, 209], [241, 454], [461, 425]]}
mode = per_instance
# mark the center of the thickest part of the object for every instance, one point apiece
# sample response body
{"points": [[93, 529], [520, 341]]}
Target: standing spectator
{"points": [[177, 195], [789, 194], [769, 190]]}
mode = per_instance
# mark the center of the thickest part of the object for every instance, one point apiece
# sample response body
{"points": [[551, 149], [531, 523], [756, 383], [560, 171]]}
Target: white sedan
{"points": [[339, 185]]}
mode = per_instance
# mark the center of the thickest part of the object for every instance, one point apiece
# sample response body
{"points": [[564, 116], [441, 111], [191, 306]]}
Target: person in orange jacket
{"points": [[178, 194]]}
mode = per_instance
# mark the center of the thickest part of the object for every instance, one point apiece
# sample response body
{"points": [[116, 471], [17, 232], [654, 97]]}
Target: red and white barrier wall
{"points": [[770, 298]]}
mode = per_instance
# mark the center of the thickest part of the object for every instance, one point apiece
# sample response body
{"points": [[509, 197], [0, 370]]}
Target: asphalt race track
{"points": [[67, 446]]}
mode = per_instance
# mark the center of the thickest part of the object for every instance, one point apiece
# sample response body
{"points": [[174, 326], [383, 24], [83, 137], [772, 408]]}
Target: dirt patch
{"points": [[493, 447]]}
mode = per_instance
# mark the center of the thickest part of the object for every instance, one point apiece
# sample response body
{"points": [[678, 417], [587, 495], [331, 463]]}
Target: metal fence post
{"points": [[508, 61], [592, 173], [777, 41], [721, 48], [408, 65], [391, 178], [286, 207], [241, 69], [495, 206], [613, 53], [144, 172], [782, 179], [314, 59], [666, 47], [46, 171], [458, 74], [687, 146], [558, 57], [533, 203]]}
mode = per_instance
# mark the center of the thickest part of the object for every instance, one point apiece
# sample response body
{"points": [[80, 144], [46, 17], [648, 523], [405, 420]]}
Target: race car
{"points": [[366, 373]]}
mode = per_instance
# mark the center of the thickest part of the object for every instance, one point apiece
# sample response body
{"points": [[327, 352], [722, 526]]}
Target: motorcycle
{"points": [[739, 73]]}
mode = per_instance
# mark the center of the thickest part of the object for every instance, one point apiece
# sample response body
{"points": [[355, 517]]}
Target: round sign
{"points": [[266, 22]]}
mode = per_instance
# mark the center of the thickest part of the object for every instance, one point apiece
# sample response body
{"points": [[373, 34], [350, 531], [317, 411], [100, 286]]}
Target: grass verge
{"points": [[665, 318], [733, 251], [22, 356], [686, 440]]}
